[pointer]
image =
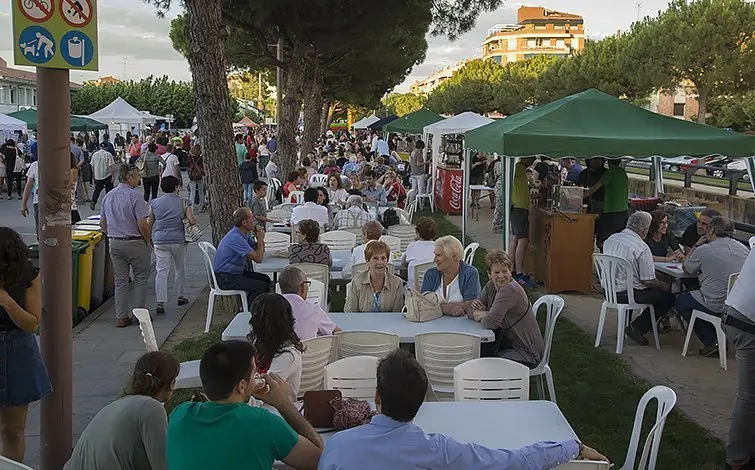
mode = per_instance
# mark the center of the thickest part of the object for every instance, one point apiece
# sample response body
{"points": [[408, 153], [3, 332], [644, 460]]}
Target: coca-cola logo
{"points": [[457, 187]]}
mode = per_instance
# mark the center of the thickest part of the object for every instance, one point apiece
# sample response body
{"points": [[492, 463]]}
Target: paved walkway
{"points": [[705, 391], [104, 356]]}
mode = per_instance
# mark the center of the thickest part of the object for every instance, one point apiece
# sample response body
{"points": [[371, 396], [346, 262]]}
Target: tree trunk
{"points": [[207, 34], [331, 113], [313, 101], [292, 98], [324, 116], [702, 104]]}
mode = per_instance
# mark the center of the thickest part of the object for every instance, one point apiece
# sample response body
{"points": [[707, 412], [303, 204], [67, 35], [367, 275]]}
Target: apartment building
{"points": [[680, 103], [427, 85], [18, 88], [538, 31]]}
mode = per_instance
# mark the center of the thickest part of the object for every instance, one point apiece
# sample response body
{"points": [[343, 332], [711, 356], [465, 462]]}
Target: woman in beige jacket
{"points": [[376, 290]]}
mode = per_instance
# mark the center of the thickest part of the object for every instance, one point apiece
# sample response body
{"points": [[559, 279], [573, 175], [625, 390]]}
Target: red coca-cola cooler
{"points": [[449, 190]]}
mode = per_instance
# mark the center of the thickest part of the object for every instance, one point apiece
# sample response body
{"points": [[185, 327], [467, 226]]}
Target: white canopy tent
{"points": [[9, 125], [459, 124], [364, 122], [121, 116]]}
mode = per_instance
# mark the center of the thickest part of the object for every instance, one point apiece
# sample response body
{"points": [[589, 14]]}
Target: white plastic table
{"points": [[273, 264], [493, 424], [675, 270], [388, 322]]}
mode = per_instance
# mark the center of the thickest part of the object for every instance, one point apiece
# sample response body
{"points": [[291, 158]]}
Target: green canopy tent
{"points": [[78, 123], [413, 123], [592, 123]]}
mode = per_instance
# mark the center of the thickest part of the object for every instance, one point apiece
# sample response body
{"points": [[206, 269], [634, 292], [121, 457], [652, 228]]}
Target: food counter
{"points": [[560, 250], [449, 189]]}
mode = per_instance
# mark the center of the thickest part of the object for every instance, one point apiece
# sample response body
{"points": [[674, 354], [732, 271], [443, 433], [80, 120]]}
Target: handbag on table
{"points": [[320, 406], [422, 307]]}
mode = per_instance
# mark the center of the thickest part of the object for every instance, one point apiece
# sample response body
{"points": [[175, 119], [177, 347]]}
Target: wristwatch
{"points": [[581, 448]]}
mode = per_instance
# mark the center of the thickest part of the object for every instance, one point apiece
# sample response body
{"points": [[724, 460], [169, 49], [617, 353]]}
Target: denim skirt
{"points": [[23, 376]]}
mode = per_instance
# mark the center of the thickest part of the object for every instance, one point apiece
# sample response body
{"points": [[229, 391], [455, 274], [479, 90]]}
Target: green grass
{"points": [[595, 389]]}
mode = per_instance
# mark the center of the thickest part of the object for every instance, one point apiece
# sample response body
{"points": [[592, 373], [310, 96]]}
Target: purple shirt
{"points": [[309, 319], [122, 208]]}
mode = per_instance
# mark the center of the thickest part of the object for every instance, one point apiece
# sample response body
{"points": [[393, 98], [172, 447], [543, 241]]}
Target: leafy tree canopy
{"points": [[402, 104]]}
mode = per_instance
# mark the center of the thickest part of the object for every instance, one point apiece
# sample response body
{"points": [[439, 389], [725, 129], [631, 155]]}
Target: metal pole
{"points": [[465, 185], [54, 106], [279, 83]]}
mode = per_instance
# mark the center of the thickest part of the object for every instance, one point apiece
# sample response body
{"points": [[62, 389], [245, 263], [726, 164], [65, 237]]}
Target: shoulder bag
{"points": [[422, 307], [192, 233], [320, 406], [141, 165]]}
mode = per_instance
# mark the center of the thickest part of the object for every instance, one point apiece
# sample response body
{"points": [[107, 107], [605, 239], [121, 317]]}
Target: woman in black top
{"points": [[662, 244], [22, 371]]}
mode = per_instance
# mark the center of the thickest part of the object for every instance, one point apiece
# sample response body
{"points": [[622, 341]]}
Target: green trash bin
{"points": [[77, 249]]}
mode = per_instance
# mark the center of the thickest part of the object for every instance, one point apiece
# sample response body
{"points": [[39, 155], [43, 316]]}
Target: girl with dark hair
{"points": [[131, 432], [278, 347], [662, 243], [22, 371]]}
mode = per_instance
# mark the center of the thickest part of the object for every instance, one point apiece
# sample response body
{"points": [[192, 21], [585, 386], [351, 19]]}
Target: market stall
{"points": [[413, 123], [446, 177], [9, 126], [588, 124], [78, 123], [378, 125], [364, 122], [121, 117]]}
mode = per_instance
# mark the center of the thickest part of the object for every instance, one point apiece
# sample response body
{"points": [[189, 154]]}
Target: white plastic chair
{"points": [[8, 464], [366, 343], [752, 243], [318, 294], [666, 401], [188, 375], [360, 268], [607, 267], [419, 274], [277, 241], [394, 243], [411, 207], [339, 240], [554, 305], [439, 353], [420, 196], [318, 180], [405, 233], [355, 377], [491, 378], [274, 184], [208, 251], [404, 216], [279, 215], [698, 315], [315, 271], [357, 231], [295, 197], [318, 352], [286, 206], [469, 252]]}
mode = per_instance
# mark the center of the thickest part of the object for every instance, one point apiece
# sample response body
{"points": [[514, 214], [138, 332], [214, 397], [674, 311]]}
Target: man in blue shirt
{"points": [[272, 144], [109, 146], [391, 440], [372, 191], [233, 252]]}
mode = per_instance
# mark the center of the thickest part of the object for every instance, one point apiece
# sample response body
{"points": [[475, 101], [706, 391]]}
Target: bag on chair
{"points": [[320, 406], [422, 307]]}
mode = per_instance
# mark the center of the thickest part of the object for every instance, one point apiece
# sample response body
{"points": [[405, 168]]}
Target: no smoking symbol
{"points": [[37, 11], [77, 13]]}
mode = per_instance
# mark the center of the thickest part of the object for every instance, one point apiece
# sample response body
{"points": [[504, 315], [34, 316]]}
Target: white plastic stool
{"points": [[721, 337]]}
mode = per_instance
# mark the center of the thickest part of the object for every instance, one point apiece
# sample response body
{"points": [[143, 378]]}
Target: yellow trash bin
{"points": [[86, 262]]}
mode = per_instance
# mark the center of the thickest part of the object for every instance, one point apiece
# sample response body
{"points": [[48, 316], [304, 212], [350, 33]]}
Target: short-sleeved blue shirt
{"points": [[232, 251]]}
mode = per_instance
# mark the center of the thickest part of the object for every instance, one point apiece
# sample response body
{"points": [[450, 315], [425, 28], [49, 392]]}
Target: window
{"points": [[678, 109], [496, 59], [530, 43], [34, 97], [512, 45], [560, 43], [13, 96], [539, 26], [559, 26], [539, 42]]}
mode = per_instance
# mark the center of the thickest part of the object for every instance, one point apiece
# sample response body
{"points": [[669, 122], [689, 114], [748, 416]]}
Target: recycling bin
{"points": [[77, 249], [98, 262], [93, 223], [86, 262]]}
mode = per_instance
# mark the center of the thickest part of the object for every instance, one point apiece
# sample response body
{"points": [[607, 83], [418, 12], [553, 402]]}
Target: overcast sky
{"points": [[134, 43]]}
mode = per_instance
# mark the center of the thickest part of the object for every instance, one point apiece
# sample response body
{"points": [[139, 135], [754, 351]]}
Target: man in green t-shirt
{"points": [[241, 149], [615, 213], [226, 432], [520, 217]]}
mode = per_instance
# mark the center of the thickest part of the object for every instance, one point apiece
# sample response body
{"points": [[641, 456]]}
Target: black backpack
{"points": [[390, 217]]}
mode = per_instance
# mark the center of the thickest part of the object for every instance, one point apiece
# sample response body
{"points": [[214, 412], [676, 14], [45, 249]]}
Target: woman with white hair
{"points": [[456, 283]]}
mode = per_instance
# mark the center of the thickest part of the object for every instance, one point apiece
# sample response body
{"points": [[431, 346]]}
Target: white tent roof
{"points": [[119, 112], [10, 124], [364, 122], [149, 117], [458, 124]]}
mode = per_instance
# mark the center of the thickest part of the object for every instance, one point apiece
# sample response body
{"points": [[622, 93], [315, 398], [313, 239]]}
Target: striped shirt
{"points": [[353, 217], [627, 244]]}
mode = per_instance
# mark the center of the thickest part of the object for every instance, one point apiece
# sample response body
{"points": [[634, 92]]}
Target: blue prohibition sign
{"points": [[37, 44], [76, 48]]}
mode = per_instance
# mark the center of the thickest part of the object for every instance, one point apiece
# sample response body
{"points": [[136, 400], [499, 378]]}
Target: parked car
{"points": [[686, 162], [721, 167]]}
